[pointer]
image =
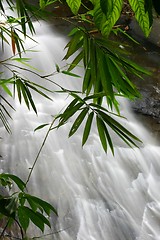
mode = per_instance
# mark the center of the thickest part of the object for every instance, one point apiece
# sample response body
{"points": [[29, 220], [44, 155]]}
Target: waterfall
{"points": [[98, 196]]}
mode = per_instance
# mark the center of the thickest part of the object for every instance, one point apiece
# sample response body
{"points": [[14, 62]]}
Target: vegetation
{"points": [[106, 67]]}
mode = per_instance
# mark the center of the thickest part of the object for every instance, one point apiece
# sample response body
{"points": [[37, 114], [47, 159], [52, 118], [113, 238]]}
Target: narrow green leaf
{"points": [[75, 62], [34, 217], [3, 203], [70, 74], [43, 204], [6, 89], [18, 85], [11, 207], [30, 99], [105, 74], [86, 48], [74, 44], [87, 79], [101, 132], [37, 90], [69, 113], [23, 91], [78, 121], [16, 179], [23, 218], [87, 128], [109, 139], [41, 126], [44, 219]]}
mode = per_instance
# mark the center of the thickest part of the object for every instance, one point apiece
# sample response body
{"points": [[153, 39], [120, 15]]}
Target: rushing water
{"points": [[98, 196]]}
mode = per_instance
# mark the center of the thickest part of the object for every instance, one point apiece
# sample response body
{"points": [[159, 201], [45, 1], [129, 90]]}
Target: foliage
{"points": [[21, 207], [106, 76]]}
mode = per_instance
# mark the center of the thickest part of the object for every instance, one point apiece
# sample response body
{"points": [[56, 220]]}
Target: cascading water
{"points": [[98, 196]]}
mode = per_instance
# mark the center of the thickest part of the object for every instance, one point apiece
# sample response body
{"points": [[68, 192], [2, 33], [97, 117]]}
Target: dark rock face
{"points": [[149, 104]]}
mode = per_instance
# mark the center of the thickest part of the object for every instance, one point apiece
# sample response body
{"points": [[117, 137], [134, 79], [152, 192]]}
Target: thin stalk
{"points": [[40, 150]]}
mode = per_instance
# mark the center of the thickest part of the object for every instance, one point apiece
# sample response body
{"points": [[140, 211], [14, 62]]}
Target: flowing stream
{"points": [[98, 196]]}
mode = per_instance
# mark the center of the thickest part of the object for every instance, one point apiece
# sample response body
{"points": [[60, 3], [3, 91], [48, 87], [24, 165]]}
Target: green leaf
{"points": [[87, 128], [106, 6], [74, 5], [99, 16], [105, 74], [15, 179], [23, 218], [41, 126], [86, 49], [6, 89], [3, 203], [101, 132], [75, 62], [112, 17], [74, 44], [118, 128], [142, 16], [69, 113], [33, 216], [87, 80], [44, 219], [24, 93], [70, 74], [42, 204], [106, 13], [11, 207], [78, 121], [42, 4], [109, 139], [18, 85], [37, 90], [30, 99]]}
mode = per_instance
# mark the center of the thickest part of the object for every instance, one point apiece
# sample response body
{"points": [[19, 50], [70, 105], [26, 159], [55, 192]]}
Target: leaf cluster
{"points": [[106, 66], [105, 121], [105, 13], [22, 207]]}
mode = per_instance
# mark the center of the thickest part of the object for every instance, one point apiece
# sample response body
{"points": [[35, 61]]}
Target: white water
{"points": [[98, 196]]}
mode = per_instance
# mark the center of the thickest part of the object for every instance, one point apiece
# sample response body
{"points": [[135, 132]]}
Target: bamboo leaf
{"points": [[78, 121], [74, 44], [15, 179], [42, 204], [70, 74], [13, 43], [87, 80], [105, 74], [23, 218], [41, 126], [30, 99], [6, 89], [87, 128], [101, 132], [34, 217], [75, 62]]}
